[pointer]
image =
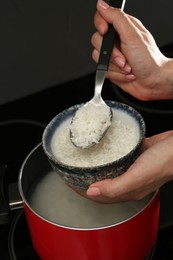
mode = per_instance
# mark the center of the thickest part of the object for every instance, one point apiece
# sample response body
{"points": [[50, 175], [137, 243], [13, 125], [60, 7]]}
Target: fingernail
{"points": [[93, 191], [103, 4], [120, 62], [130, 77]]}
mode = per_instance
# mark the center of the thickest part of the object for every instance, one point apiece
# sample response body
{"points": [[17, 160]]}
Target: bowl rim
{"points": [[72, 109]]}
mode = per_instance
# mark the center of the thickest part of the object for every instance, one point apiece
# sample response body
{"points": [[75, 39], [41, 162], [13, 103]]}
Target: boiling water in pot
{"points": [[55, 201]]}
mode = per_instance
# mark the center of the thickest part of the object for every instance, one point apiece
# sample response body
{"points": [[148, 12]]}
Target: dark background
{"points": [[47, 43]]}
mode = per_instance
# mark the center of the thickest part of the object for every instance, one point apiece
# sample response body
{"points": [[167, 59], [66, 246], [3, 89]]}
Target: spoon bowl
{"points": [[91, 121]]}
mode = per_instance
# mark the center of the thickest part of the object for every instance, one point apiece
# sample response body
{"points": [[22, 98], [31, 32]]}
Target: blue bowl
{"points": [[82, 177]]}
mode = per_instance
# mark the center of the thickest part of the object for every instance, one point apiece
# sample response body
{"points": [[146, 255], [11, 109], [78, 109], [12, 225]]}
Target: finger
{"points": [[96, 41], [150, 141], [100, 24], [126, 68], [137, 177], [117, 57], [115, 73], [132, 185], [121, 79], [112, 66], [102, 192], [121, 22]]}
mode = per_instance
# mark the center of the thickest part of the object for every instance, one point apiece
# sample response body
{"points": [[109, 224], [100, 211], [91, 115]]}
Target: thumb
{"points": [[116, 17], [112, 190]]}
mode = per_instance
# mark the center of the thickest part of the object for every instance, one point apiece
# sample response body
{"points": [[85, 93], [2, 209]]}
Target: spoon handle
{"points": [[108, 39]]}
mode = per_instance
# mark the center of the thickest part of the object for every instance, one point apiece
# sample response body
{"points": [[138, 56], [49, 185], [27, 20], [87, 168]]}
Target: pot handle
{"points": [[5, 212], [9, 197]]}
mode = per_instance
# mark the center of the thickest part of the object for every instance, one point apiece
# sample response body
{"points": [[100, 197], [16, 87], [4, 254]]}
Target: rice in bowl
{"points": [[120, 139]]}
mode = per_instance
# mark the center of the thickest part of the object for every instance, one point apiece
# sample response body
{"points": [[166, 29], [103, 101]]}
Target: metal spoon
{"points": [[91, 121]]}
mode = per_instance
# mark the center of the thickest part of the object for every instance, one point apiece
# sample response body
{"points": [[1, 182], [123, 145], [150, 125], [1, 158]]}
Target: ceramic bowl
{"points": [[81, 177]]}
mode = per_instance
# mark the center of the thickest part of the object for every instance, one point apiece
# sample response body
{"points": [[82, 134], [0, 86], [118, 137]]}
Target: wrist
{"points": [[166, 78], [170, 161]]}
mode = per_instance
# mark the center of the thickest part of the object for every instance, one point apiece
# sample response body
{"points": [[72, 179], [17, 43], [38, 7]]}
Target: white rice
{"points": [[89, 124], [120, 139]]}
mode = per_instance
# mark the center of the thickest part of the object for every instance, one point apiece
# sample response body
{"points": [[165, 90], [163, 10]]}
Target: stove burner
{"points": [[20, 245], [17, 138]]}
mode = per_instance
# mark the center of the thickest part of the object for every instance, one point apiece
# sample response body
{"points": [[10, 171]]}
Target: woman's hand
{"points": [[137, 65], [148, 173]]}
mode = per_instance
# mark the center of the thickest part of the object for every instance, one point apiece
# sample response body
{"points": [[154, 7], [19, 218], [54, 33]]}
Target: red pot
{"points": [[129, 239]]}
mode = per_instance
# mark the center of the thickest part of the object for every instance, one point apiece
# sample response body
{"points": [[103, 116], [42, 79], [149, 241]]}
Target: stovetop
{"points": [[38, 110]]}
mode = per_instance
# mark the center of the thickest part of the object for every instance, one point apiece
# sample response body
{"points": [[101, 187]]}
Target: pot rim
{"points": [[26, 203], [22, 121]]}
